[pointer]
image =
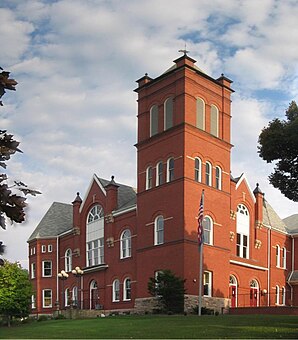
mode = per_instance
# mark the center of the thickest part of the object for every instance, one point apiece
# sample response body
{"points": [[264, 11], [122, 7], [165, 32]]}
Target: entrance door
{"points": [[254, 294], [93, 295], [233, 291]]}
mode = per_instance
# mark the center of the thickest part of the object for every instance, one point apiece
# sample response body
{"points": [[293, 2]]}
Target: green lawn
{"points": [[145, 327]]}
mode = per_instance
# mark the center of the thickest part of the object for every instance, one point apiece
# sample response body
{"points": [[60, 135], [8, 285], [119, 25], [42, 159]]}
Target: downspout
{"points": [[292, 269], [57, 269], [269, 264]]}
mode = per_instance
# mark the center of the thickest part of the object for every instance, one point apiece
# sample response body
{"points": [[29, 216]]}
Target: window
{"points": [[208, 174], [200, 121], [242, 247], [127, 289], [125, 244], [50, 248], [46, 268], [31, 251], [47, 298], [283, 296], [33, 270], [149, 178], [168, 113], [218, 173], [159, 173], [214, 121], [277, 295], [208, 230], [170, 170], [43, 248], [277, 255], [33, 301], [284, 258], [207, 281], [95, 236], [116, 290], [159, 230], [75, 296], [198, 170], [68, 260], [67, 297], [153, 120]]}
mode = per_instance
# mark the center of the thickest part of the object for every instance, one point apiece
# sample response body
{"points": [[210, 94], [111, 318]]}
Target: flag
{"points": [[200, 220]]}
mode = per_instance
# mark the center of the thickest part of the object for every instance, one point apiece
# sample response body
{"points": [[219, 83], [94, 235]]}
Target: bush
{"points": [[43, 318]]}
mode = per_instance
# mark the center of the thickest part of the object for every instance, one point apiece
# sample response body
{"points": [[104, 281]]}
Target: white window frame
{"points": [[200, 100], [50, 248], [33, 301], [284, 258], [283, 296], [33, 270], [125, 244], [218, 178], [208, 230], [243, 229], [168, 111], [67, 297], [149, 177], [43, 248], [74, 295], [159, 173], [277, 256], [68, 260], [214, 130], [43, 268], [198, 169], [127, 289], [207, 284], [154, 120], [159, 227], [44, 305], [116, 290], [170, 169], [208, 174], [277, 293]]}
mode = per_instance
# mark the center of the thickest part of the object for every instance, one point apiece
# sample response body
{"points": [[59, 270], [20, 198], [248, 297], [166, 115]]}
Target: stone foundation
{"points": [[220, 305]]}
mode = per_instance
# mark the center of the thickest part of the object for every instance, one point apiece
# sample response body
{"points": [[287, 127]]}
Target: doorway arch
{"points": [[233, 284], [93, 293], [254, 293]]}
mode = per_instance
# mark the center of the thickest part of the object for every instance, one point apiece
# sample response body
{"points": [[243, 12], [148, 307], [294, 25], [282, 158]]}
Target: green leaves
{"points": [[279, 142]]}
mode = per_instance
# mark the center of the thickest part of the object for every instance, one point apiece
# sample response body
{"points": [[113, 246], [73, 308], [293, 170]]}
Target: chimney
{"points": [[259, 205], [76, 211], [112, 195]]}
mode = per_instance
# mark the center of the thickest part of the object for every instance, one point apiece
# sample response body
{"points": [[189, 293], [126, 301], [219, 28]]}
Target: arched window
{"points": [[75, 296], [168, 113], [125, 244], [283, 296], [208, 230], [242, 248], [68, 260], [127, 289], [95, 236], [67, 297], [159, 230], [149, 177], [153, 120], [218, 180], [170, 170], [159, 174], [200, 121], [284, 258], [277, 295], [208, 174], [116, 290], [198, 169], [214, 121], [277, 255]]}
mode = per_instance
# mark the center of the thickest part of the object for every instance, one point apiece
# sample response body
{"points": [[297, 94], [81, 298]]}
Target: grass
{"points": [[153, 327]]}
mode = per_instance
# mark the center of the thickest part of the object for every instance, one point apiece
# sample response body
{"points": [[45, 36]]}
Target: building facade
{"points": [[120, 236]]}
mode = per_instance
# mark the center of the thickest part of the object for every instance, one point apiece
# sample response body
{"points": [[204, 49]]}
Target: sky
{"points": [[76, 62]]}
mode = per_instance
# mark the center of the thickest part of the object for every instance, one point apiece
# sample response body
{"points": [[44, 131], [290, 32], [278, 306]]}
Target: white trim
{"points": [[117, 213], [243, 178], [248, 265], [94, 178]]}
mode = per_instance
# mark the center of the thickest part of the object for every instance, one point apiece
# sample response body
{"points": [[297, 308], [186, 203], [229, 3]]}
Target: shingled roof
{"points": [[292, 223], [57, 220], [270, 218]]}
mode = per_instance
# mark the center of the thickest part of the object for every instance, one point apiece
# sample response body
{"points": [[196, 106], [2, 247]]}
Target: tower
{"points": [[183, 147]]}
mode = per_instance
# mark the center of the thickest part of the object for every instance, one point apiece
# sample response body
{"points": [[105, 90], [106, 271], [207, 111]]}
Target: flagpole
{"points": [[201, 217]]}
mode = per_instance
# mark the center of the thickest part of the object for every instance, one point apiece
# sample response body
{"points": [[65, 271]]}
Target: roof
{"points": [[293, 277], [292, 223], [270, 218], [57, 220], [127, 196]]}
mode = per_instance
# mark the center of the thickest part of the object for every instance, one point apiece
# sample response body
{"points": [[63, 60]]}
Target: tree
{"points": [[15, 291], [12, 204], [169, 289], [279, 142]]}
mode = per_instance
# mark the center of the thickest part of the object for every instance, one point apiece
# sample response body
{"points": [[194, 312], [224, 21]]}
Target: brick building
{"points": [[120, 237]]}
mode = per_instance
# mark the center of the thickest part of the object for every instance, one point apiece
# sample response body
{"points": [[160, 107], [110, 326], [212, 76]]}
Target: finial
{"points": [[112, 177], [184, 51]]}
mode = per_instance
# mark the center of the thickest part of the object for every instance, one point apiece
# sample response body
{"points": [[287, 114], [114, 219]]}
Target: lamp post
{"points": [[63, 276], [78, 272]]}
